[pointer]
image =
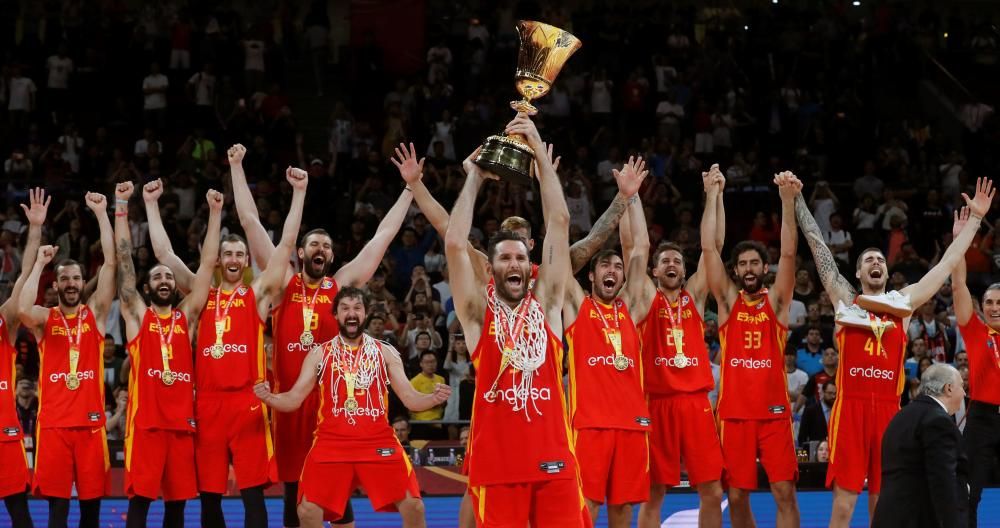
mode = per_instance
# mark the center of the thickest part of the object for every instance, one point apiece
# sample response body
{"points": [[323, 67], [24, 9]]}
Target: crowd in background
{"points": [[92, 93]]}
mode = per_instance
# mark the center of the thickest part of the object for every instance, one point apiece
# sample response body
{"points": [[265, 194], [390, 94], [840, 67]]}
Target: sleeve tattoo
{"points": [[581, 252], [126, 274], [826, 266]]}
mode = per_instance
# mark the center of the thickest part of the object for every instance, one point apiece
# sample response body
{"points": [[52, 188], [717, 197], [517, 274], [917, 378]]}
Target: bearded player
{"points": [[229, 360], [71, 442], [755, 418], [677, 374], [303, 315], [354, 443], [607, 407], [982, 341], [522, 469], [872, 350], [14, 477], [159, 430]]}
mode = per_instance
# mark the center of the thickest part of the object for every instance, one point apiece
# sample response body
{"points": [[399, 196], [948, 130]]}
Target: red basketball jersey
{"points": [[10, 426], [287, 326], [983, 344], [600, 395], [753, 362], [361, 433], [871, 367], [523, 445], [152, 404], [243, 363], [662, 377], [58, 406]]}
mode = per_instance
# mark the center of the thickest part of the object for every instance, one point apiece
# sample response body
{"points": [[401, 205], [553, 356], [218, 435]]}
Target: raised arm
{"points": [[275, 277], [35, 212], [100, 301], [629, 180], [721, 285], [411, 398], [195, 301], [836, 286], [132, 304], [962, 298], [551, 285], [260, 244], [358, 271], [978, 206], [412, 172], [291, 400], [162, 248], [639, 289], [784, 282], [31, 315], [469, 300]]}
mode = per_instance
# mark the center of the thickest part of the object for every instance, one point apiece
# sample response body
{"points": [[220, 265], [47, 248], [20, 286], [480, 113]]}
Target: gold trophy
{"points": [[544, 51]]}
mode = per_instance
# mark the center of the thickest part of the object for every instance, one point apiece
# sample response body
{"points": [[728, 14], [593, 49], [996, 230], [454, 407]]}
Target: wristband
{"points": [[977, 217], [121, 213], [119, 200], [407, 188]]}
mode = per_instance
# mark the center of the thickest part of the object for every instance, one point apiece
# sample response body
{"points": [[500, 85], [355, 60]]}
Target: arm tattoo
{"points": [[826, 266], [581, 252], [550, 254], [126, 274]]}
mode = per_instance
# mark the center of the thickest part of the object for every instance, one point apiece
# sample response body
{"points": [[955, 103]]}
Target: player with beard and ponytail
{"points": [[354, 444], [71, 442], [607, 407], [677, 374], [14, 477], [159, 430], [872, 350], [229, 360], [755, 416], [522, 468], [303, 315]]}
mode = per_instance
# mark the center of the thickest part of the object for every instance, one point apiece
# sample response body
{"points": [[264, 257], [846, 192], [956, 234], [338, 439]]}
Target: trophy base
{"points": [[508, 159]]}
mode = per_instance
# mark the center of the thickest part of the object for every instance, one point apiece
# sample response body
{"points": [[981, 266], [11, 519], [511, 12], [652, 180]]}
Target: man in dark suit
{"points": [[924, 466], [816, 417]]}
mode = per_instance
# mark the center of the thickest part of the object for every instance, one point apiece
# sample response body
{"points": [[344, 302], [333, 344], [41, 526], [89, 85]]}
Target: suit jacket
{"points": [[813, 426], [924, 470]]}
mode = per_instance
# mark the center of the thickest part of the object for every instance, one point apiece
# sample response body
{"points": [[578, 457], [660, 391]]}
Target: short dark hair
{"points": [[417, 336], [667, 246], [748, 245], [503, 236], [350, 292], [790, 352], [828, 383], [65, 263], [427, 352], [311, 232], [233, 238], [602, 255], [857, 263], [400, 418], [814, 327]]}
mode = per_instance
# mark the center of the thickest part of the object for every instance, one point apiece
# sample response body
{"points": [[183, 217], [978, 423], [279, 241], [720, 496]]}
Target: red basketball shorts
{"points": [[71, 454], [232, 424], [683, 429], [14, 476], [293, 437], [329, 484], [543, 503], [744, 441], [158, 460], [856, 428], [614, 465]]}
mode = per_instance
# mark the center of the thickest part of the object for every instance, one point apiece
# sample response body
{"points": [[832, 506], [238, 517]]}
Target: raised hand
{"points": [[236, 153], [45, 255], [788, 184], [152, 191], [471, 168], [262, 390], [215, 200], [526, 127], [441, 393], [631, 176], [409, 168], [38, 206], [961, 217], [716, 176], [297, 177], [98, 203], [554, 161], [124, 190], [709, 181], [981, 203]]}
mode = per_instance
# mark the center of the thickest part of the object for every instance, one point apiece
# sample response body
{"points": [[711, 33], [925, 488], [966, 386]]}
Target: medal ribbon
{"points": [[996, 346], [878, 328], [307, 311], [164, 342], [676, 324], [74, 346], [348, 368], [616, 341], [220, 322], [508, 339]]}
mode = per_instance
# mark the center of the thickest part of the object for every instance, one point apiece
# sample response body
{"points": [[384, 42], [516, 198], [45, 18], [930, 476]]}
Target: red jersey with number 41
{"points": [[871, 367], [753, 384]]}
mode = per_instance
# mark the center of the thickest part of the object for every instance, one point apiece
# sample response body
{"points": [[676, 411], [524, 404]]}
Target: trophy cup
{"points": [[544, 51]]}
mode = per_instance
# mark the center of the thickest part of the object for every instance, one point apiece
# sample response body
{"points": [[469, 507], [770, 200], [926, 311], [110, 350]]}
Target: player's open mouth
{"points": [[514, 280], [749, 278], [609, 282], [163, 289], [671, 274], [233, 269], [875, 273], [352, 322]]}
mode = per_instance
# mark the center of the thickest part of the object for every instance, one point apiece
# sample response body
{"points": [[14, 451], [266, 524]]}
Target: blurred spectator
{"points": [[456, 364], [425, 382], [117, 414], [808, 358], [816, 417], [27, 406], [927, 327], [401, 427], [839, 241], [813, 391], [823, 451], [797, 379]]}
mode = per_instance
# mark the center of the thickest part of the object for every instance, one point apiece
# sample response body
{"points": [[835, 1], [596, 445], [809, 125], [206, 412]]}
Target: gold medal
{"points": [[72, 382], [73, 378], [168, 377], [615, 338], [621, 362], [218, 351], [878, 328], [306, 339], [680, 360], [350, 404]]}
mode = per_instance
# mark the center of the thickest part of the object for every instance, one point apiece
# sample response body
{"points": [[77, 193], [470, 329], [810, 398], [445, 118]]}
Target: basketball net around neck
{"points": [[367, 363], [520, 335]]}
